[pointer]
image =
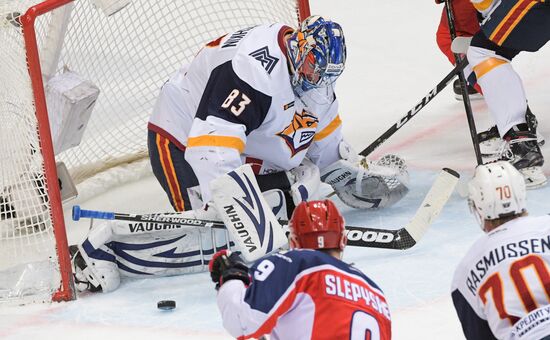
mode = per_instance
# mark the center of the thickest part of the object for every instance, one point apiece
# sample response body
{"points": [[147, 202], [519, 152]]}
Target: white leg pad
{"points": [[246, 214]]}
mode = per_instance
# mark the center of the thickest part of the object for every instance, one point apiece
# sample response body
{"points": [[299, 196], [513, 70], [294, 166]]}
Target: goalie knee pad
{"points": [[246, 214]]}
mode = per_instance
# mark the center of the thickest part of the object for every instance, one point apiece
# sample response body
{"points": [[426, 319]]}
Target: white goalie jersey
{"points": [[235, 103], [501, 289]]}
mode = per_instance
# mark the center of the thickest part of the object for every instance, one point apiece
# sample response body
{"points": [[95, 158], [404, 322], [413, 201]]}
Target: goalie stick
{"points": [[419, 106], [403, 238]]}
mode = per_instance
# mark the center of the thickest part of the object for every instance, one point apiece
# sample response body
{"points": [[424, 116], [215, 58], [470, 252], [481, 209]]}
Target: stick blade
{"points": [[379, 238], [433, 203]]}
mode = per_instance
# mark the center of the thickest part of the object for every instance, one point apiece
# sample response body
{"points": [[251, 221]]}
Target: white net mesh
{"points": [[128, 56], [131, 54], [26, 236]]}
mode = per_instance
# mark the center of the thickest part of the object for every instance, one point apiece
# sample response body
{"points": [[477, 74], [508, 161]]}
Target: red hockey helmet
{"points": [[317, 225]]}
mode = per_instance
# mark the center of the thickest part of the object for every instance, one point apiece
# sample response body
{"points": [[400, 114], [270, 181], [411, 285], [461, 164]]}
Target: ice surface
{"points": [[393, 62]]}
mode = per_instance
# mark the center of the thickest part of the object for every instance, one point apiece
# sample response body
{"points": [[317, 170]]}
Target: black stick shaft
{"points": [[419, 106], [463, 84], [357, 236]]}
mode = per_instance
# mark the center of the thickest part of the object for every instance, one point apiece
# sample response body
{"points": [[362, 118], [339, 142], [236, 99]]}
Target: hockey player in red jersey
{"points": [[305, 293], [501, 289], [466, 25]]}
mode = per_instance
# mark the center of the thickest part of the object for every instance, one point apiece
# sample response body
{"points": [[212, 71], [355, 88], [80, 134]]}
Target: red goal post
{"points": [[93, 45]]}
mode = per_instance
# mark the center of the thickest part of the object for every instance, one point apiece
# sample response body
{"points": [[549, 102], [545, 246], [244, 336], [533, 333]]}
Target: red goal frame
{"points": [[66, 289]]}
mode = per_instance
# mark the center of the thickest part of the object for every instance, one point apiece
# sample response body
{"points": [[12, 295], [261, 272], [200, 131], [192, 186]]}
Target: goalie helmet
{"points": [[317, 53], [497, 190], [317, 225]]}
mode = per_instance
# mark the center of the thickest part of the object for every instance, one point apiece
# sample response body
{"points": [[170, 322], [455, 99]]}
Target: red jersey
{"points": [[466, 24], [305, 294]]}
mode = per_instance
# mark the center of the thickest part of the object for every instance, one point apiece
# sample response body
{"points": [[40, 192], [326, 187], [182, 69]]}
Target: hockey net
{"points": [[127, 56]]}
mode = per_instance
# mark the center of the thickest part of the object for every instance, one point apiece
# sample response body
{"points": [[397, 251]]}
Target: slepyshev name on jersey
{"points": [[507, 251], [339, 286]]}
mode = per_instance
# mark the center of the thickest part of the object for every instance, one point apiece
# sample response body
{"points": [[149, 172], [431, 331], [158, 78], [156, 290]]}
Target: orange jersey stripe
{"points": [[336, 122], [511, 20], [482, 5], [170, 172], [516, 22], [223, 141], [487, 65]]}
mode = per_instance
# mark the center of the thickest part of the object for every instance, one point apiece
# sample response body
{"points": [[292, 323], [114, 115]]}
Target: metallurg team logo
{"points": [[268, 61], [299, 134]]}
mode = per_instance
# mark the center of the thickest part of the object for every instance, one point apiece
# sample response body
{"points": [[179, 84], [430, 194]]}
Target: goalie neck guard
{"points": [[317, 225]]}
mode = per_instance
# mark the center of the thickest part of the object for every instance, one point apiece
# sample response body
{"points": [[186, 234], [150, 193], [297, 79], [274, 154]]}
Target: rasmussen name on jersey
{"points": [[499, 254]]}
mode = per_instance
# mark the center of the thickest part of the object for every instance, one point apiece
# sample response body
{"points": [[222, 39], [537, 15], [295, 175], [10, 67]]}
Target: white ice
{"points": [[393, 63]]}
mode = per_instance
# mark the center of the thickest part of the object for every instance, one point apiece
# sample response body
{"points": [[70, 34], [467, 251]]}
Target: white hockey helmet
{"points": [[496, 190]]}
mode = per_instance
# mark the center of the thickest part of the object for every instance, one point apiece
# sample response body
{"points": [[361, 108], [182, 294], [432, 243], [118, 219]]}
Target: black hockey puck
{"points": [[166, 304]]}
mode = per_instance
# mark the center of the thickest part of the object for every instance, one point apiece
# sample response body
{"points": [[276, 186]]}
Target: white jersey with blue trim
{"points": [[140, 249], [304, 294], [234, 102], [503, 282]]}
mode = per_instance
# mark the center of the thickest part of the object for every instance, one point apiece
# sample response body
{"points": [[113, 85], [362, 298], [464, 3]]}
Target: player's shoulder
{"points": [[260, 58], [518, 228], [307, 261], [301, 260], [529, 223]]}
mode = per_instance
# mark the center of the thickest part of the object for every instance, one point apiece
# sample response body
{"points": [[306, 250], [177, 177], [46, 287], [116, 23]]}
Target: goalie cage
{"points": [[128, 55]]}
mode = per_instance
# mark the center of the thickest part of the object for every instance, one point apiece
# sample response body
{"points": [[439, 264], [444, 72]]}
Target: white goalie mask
{"points": [[496, 190]]}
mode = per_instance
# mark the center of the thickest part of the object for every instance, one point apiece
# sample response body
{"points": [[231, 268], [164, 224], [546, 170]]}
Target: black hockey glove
{"points": [[226, 266]]}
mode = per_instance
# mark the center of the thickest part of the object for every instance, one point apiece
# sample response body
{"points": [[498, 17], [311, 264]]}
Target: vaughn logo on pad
{"points": [[239, 226], [246, 214]]}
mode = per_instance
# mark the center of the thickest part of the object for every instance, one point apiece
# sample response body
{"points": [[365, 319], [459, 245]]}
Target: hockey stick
{"points": [[463, 85], [419, 106], [403, 238]]}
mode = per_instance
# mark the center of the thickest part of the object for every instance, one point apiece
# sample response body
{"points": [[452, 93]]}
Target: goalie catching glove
{"points": [[226, 266], [364, 184]]}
